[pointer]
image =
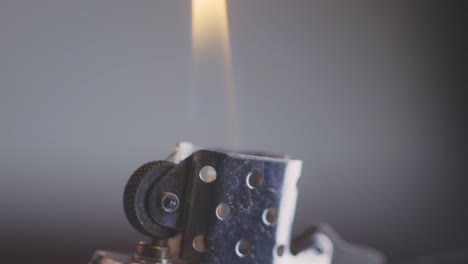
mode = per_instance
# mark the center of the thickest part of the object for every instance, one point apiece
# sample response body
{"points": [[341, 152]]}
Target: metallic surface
{"points": [[235, 208], [154, 251], [169, 202]]}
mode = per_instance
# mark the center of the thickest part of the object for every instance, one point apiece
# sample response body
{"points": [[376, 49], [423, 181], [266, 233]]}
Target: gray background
{"points": [[368, 93]]}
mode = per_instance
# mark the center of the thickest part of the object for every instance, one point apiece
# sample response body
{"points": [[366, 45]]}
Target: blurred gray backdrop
{"points": [[368, 93]]}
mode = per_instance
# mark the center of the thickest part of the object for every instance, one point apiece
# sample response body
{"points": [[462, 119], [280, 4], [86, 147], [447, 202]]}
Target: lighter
{"points": [[211, 206]]}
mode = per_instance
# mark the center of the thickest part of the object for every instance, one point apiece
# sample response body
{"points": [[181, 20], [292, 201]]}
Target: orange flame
{"points": [[210, 38]]}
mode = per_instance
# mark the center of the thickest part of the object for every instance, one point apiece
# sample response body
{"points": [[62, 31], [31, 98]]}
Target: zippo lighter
{"points": [[208, 206]]}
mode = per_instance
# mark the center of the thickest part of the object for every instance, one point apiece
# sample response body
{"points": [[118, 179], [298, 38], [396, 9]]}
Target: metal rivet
{"points": [[208, 174], [270, 216], [169, 202], [254, 179], [199, 243], [243, 248], [223, 211]]}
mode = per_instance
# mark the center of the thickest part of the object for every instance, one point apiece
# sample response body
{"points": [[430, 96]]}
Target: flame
{"points": [[210, 39], [210, 30]]}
